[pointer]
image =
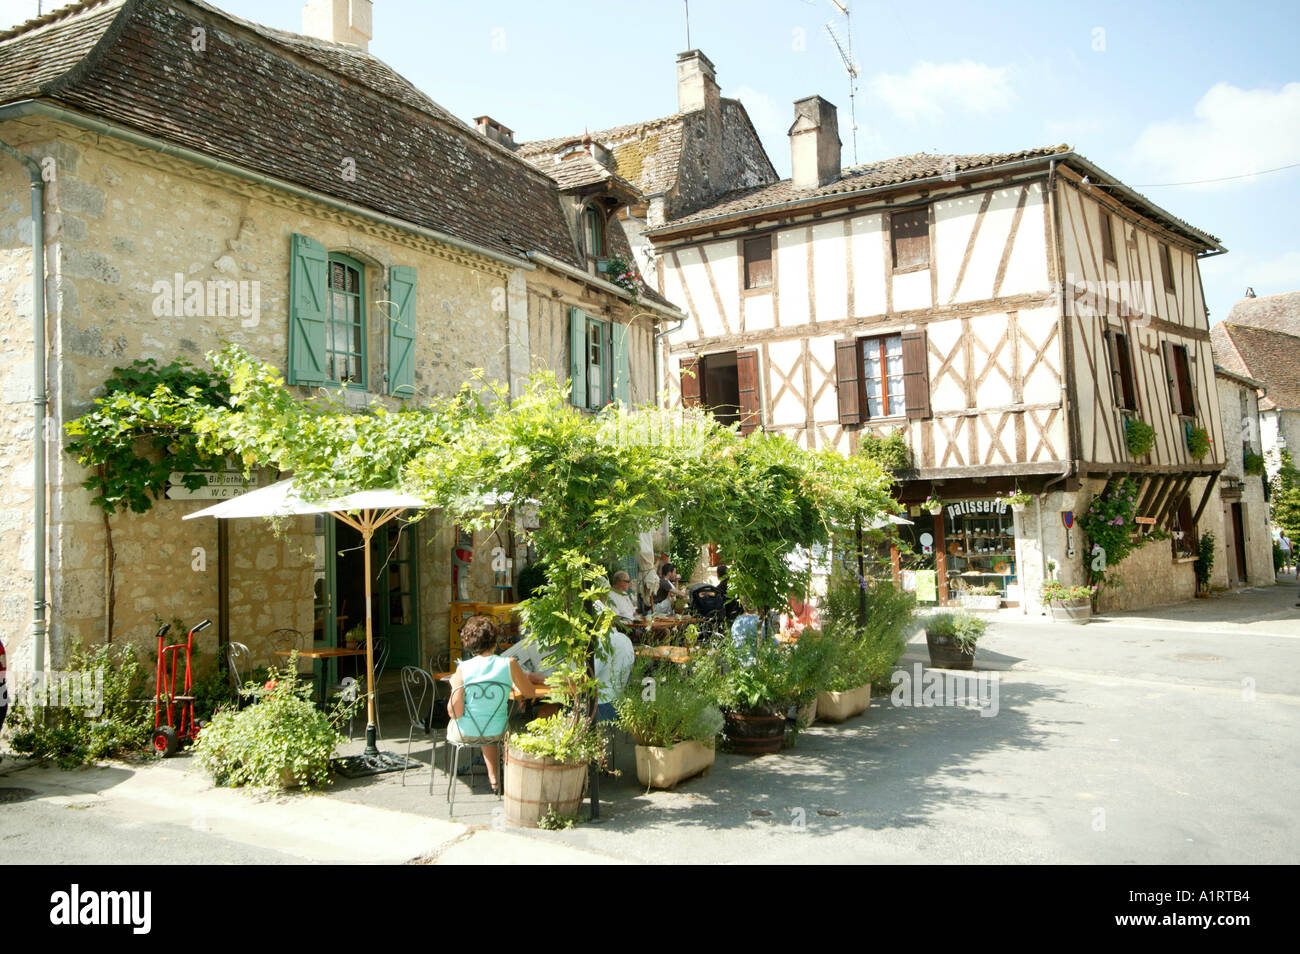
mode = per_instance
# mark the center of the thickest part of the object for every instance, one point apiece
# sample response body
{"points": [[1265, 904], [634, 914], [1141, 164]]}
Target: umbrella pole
{"points": [[367, 530]]}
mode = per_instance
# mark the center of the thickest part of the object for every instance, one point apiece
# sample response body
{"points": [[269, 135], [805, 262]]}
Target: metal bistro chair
{"points": [[239, 669], [469, 730], [417, 691], [285, 640], [351, 687]]}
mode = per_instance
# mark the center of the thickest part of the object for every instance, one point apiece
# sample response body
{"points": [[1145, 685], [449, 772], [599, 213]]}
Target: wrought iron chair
{"points": [[239, 669], [418, 691], [484, 704], [284, 640]]}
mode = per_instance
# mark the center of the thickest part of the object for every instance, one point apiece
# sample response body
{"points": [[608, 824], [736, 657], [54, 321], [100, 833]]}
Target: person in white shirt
{"points": [[620, 600], [612, 672]]}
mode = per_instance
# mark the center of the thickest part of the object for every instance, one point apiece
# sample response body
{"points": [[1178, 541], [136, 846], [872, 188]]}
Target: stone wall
{"points": [[121, 219]]}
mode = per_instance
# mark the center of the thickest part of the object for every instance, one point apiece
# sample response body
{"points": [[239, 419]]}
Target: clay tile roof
{"points": [[1266, 355], [289, 107], [1271, 312], [898, 170], [645, 154]]}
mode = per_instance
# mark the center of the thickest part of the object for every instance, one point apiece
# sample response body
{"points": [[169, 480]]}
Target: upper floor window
{"points": [[593, 231], [598, 361], [1182, 394], [1107, 238], [758, 262], [910, 237], [726, 384], [883, 377], [1167, 267], [1121, 370], [345, 330]]}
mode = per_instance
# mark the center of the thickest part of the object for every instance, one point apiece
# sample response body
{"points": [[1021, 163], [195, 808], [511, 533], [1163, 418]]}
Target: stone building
{"points": [[676, 163], [1243, 541], [202, 179], [1260, 339], [1009, 314]]}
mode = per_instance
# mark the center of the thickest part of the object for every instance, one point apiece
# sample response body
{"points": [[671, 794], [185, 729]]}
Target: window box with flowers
{"points": [[623, 273]]}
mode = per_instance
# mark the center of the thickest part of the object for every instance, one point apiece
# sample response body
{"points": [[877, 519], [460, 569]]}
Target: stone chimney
{"points": [[696, 86], [495, 131], [814, 143], [339, 21]]}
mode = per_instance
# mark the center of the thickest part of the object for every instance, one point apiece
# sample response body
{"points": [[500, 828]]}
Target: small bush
{"points": [[565, 737], [73, 736], [680, 705], [965, 630], [890, 452], [1204, 564], [1139, 436], [1253, 464], [1198, 442], [283, 731]]}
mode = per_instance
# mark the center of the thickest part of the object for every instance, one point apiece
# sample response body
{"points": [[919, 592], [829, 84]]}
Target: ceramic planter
{"points": [[838, 706], [658, 767], [945, 654], [1071, 611], [534, 785]]}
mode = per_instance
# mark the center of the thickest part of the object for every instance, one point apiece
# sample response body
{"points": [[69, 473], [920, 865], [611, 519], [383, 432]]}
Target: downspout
{"points": [[38, 402], [663, 334], [1042, 550]]}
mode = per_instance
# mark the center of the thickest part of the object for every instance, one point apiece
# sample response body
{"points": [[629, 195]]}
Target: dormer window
{"points": [[593, 231]]}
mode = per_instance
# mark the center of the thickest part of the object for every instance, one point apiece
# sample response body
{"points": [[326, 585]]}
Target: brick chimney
{"points": [[696, 86], [339, 21], [814, 143], [495, 131]]}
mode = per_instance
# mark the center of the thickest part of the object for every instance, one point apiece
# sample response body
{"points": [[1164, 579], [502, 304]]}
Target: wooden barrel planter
{"points": [[1075, 611], [944, 653], [754, 734], [535, 785]]}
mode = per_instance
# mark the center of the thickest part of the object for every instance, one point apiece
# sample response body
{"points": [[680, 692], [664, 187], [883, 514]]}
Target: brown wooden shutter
{"points": [[848, 381], [1186, 387], [758, 262], [916, 374], [910, 237], [691, 370], [1116, 382], [1171, 378], [751, 414]]}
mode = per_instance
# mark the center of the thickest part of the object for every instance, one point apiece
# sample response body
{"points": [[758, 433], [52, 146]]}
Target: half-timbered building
{"points": [[1010, 314]]}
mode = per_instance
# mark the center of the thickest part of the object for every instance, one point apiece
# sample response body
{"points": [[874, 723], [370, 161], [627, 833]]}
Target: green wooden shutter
{"points": [[578, 356], [401, 331], [622, 366], [308, 306]]}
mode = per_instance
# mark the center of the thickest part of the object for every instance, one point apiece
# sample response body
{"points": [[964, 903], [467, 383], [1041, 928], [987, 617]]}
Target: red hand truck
{"points": [[173, 711]]}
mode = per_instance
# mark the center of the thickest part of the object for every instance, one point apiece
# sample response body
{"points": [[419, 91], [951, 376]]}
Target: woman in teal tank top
{"points": [[480, 691]]}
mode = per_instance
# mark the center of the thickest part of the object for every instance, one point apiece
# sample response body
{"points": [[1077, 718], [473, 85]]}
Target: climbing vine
{"points": [[1110, 525]]}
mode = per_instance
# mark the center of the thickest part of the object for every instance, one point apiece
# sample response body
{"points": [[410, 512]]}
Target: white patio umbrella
{"points": [[363, 510]]}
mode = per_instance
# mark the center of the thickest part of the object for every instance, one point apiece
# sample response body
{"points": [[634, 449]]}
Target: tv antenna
{"points": [[688, 23], [845, 50]]}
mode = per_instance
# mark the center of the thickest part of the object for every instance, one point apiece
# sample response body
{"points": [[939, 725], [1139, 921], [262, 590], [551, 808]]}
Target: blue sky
{"points": [[1154, 93]]}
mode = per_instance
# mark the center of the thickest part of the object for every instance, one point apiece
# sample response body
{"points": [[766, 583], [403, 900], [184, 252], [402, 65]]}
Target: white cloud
{"points": [[930, 90], [14, 12], [1233, 132]]}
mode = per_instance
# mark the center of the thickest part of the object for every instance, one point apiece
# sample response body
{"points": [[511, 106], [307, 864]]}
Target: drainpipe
{"points": [[38, 402], [1038, 513], [663, 334]]}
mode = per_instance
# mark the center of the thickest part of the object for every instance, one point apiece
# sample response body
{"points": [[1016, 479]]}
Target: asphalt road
{"points": [[1165, 737]]}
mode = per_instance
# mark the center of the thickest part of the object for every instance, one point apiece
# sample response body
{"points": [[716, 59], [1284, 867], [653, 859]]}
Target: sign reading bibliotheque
{"points": [[221, 484]]}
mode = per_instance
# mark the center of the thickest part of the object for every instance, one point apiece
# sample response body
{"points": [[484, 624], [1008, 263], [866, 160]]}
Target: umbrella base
{"points": [[360, 766]]}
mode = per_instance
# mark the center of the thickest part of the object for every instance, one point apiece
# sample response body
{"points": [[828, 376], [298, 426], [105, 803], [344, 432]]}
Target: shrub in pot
{"points": [[1071, 604], [952, 637], [284, 741], [546, 766], [755, 688], [671, 711], [1139, 436]]}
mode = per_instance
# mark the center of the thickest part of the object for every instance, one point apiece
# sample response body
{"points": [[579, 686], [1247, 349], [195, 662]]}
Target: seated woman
{"points": [[485, 709]]}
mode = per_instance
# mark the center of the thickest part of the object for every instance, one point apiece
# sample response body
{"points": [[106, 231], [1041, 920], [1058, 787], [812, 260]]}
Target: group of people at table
{"points": [[523, 666]]}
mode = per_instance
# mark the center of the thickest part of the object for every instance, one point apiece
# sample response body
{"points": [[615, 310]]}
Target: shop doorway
{"points": [[1239, 541]]}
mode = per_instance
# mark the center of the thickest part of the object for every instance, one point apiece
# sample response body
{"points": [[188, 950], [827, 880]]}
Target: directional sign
{"points": [[221, 485], [210, 492]]}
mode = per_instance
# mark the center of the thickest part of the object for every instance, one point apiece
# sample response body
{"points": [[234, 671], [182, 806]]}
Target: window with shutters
{"points": [[758, 262], [1182, 396], [910, 238], [593, 229], [345, 325], [1107, 238], [599, 365], [882, 377], [1121, 371], [726, 385]]}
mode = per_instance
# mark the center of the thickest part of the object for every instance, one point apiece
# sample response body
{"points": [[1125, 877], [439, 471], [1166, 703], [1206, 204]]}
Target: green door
{"points": [[396, 587]]}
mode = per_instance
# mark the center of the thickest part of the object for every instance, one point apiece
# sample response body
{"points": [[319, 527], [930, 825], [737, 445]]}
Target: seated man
{"points": [[612, 672], [620, 599]]}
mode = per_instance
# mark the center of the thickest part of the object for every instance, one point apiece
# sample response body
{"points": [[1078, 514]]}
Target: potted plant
{"points": [[848, 672], [355, 636], [1204, 564], [1138, 436], [1252, 464], [1069, 604], [984, 598], [1018, 499], [672, 715], [546, 766], [1198, 442], [952, 637], [284, 741], [933, 504], [755, 688]]}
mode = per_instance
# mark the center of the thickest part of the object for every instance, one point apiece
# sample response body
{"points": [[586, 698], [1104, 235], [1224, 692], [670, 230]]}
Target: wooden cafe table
{"points": [[325, 652]]}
